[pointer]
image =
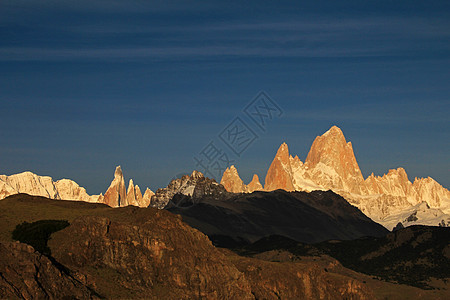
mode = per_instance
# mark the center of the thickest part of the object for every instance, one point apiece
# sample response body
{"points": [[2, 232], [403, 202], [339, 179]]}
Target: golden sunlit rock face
{"points": [[279, 175], [232, 182], [331, 165], [116, 195], [254, 185]]}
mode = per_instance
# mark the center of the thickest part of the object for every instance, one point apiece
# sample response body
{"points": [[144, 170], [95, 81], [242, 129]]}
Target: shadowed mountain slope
{"points": [[306, 217]]}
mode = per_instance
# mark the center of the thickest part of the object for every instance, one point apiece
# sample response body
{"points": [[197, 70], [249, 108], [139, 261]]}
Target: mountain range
{"points": [[331, 165]]}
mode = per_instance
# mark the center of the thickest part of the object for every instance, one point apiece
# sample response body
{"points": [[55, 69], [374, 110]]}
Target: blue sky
{"points": [[88, 85]]}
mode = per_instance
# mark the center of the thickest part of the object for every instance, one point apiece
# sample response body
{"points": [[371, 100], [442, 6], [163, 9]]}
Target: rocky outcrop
{"points": [[195, 186], [156, 256], [26, 274]]}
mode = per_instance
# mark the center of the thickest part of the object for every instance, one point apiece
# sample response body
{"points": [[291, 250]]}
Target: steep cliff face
{"points": [[26, 274], [157, 256], [116, 195], [162, 257]]}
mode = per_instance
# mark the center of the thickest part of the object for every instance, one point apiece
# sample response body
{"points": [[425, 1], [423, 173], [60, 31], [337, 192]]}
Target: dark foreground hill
{"points": [[148, 253], [140, 253], [305, 217]]}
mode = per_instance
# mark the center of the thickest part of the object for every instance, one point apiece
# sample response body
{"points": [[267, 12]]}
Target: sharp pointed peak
{"points": [[118, 171], [283, 145], [283, 150]]}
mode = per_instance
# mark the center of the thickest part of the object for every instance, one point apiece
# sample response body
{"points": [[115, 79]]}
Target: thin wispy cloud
{"points": [[321, 38]]}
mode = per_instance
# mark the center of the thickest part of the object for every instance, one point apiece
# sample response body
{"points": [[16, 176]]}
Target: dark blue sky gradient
{"points": [[88, 85]]}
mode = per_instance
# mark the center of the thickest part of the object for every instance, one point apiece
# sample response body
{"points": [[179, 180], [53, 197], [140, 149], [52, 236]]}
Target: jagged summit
{"points": [[196, 174], [118, 195], [231, 180], [195, 186]]}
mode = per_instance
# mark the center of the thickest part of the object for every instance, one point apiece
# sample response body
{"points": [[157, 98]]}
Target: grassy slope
{"points": [[21, 207]]}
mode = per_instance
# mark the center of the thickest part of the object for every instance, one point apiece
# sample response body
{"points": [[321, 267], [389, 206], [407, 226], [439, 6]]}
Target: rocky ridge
{"points": [[65, 189]]}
